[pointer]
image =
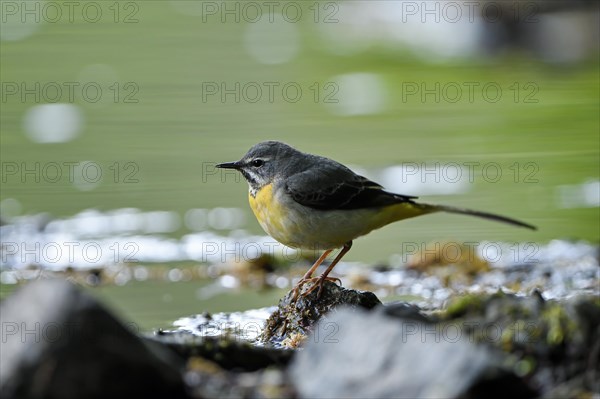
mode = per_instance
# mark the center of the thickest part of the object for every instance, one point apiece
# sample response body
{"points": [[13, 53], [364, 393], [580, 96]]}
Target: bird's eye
{"points": [[257, 163]]}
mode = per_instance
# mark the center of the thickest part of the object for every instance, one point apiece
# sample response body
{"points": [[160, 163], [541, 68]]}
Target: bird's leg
{"points": [[321, 279], [308, 275], [314, 267]]}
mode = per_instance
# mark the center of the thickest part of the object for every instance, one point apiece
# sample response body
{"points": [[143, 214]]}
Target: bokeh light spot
{"points": [[358, 94], [53, 123], [273, 42]]}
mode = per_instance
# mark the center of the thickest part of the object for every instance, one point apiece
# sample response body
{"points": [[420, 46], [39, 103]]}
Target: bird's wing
{"points": [[331, 186]]}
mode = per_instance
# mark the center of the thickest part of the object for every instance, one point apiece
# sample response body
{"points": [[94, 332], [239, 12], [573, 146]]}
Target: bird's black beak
{"points": [[229, 165]]}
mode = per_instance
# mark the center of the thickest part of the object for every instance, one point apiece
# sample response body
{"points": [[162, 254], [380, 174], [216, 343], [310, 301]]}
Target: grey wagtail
{"points": [[307, 201]]}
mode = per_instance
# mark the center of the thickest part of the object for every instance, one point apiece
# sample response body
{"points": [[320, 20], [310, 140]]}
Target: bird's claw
{"points": [[317, 282]]}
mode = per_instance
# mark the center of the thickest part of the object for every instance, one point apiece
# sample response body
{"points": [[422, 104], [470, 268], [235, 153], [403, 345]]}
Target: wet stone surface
{"points": [[282, 326], [242, 326], [295, 317]]}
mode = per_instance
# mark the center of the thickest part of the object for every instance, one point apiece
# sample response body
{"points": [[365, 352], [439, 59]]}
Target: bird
{"points": [[308, 201]]}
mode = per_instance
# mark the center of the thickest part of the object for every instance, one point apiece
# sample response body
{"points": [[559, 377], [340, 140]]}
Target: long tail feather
{"points": [[485, 215]]}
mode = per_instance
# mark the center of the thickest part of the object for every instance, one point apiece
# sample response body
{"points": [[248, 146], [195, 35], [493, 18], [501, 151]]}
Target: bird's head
{"points": [[264, 163]]}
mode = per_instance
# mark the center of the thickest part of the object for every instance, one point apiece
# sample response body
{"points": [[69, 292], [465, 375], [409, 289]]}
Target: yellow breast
{"points": [[270, 214]]}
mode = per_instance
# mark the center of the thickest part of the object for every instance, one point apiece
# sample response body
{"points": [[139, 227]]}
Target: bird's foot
{"points": [[317, 283]]}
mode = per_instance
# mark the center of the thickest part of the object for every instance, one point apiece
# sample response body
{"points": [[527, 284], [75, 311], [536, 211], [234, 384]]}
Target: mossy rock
{"points": [[295, 317]]}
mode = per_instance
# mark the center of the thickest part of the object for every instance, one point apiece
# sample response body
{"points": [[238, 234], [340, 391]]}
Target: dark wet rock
{"points": [[59, 342], [294, 319], [227, 352], [376, 356], [406, 311], [552, 344]]}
